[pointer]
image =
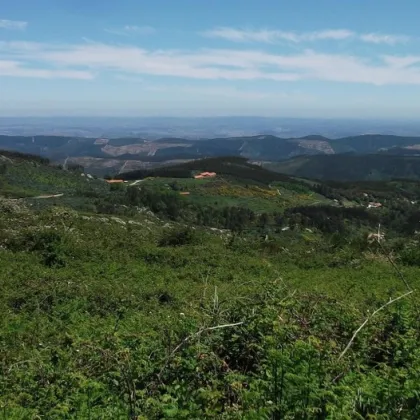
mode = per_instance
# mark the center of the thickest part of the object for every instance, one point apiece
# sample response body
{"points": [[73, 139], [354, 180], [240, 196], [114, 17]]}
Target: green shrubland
{"points": [[193, 311]]}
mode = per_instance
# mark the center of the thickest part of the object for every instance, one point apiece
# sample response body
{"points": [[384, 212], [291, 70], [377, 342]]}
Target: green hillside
{"points": [[237, 183], [237, 301], [36, 180]]}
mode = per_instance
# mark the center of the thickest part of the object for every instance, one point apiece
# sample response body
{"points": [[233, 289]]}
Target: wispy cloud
{"points": [[80, 60], [273, 36], [16, 69], [13, 24], [384, 39], [128, 30], [401, 62]]}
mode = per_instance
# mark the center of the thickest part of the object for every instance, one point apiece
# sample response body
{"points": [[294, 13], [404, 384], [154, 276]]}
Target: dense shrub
{"points": [[179, 237]]}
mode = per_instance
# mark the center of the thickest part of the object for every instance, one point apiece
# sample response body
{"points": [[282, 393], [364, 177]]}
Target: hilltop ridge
{"points": [[113, 154]]}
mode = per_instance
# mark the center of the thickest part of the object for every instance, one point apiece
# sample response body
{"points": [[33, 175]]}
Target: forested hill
{"points": [[98, 153], [236, 167], [350, 167]]}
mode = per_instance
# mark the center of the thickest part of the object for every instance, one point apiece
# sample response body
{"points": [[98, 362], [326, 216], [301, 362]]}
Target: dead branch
{"points": [[190, 337], [369, 318], [402, 278]]}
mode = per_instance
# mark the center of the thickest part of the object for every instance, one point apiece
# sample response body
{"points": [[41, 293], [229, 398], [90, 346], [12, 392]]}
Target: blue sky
{"points": [[295, 58]]}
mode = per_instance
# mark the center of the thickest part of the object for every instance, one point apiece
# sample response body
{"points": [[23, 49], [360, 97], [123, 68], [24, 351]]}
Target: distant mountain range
{"points": [[102, 155]]}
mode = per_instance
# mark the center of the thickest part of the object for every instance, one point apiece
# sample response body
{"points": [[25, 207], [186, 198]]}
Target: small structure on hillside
{"points": [[184, 193], [115, 181], [374, 205], [205, 175]]}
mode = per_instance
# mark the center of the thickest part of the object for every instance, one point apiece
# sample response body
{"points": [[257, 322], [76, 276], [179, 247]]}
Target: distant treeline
{"points": [[351, 167], [19, 156], [364, 190]]}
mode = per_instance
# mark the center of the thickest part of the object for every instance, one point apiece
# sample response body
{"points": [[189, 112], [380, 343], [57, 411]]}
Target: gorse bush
{"points": [[411, 255]]}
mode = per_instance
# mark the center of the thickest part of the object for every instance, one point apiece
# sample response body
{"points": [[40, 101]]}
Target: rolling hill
{"points": [[237, 167], [103, 155], [350, 167]]}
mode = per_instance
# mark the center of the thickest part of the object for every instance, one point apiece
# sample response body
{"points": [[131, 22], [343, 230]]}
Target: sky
{"points": [[189, 58]]}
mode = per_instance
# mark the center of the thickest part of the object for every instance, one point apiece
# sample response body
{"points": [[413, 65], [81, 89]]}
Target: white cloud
{"points": [[13, 24], [199, 65], [15, 69], [132, 30], [334, 34], [384, 39], [401, 62], [80, 60], [272, 36]]}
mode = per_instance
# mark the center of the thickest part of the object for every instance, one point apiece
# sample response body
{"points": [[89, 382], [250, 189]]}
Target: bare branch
{"points": [[196, 334], [369, 318], [401, 276]]}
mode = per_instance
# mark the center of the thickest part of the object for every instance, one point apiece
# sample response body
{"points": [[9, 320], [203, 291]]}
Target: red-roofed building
{"points": [[205, 175], [114, 181]]}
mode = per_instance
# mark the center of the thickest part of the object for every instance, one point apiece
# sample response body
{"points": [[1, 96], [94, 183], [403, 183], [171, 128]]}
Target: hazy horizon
{"points": [[301, 59]]}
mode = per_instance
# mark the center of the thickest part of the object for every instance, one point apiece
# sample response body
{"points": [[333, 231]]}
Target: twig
{"points": [[196, 334], [401, 276], [369, 317], [215, 300], [11, 367]]}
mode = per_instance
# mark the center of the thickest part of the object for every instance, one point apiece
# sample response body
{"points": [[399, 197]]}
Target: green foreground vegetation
{"points": [[136, 302]]}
